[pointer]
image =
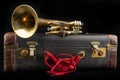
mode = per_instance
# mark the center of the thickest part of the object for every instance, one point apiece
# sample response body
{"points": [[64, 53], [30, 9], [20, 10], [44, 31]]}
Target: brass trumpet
{"points": [[25, 22]]}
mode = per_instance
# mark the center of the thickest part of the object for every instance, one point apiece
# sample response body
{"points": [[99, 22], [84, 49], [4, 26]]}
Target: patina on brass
{"points": [[25, 22], [98, 52], [29, 52]]}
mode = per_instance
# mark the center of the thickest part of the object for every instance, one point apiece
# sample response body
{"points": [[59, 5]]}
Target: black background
{"points": [[98, 16]]}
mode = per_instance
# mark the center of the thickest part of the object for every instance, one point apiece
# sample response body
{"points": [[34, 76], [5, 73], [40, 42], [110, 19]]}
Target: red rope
{"points": [[61, 64]]}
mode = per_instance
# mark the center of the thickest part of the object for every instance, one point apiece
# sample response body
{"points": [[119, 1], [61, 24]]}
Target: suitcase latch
{"points": [[97, 52], [29, 52]]}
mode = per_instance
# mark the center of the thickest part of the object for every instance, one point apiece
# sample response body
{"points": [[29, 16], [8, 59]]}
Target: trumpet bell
{"points": [[24, 21]]}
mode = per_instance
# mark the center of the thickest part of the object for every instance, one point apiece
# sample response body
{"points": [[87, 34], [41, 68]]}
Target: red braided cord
{"points": [[61, 65]]}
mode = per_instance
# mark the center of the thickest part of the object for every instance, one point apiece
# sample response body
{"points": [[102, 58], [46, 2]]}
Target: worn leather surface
{"points": [[112, 58], [9, 39], [71, 44], [55, 44], [68, 41]]}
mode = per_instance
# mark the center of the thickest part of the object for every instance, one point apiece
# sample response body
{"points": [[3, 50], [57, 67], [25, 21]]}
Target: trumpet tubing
{"points": [[25, 22]]}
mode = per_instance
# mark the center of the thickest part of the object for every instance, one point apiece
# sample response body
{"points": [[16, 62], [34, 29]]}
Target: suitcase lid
{"points": [[81, 40]]}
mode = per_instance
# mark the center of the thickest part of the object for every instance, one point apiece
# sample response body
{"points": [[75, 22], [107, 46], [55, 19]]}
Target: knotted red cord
{"points": [[61, 64]]}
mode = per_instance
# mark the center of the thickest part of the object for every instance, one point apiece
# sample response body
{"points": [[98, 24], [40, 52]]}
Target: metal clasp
{"points": [[82, 54], [97, 52], [30, 51], [32, 45]]}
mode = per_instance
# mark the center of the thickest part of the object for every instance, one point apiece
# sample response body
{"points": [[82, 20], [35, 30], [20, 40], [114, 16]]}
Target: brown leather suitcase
{"points": [[100, 50]]}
